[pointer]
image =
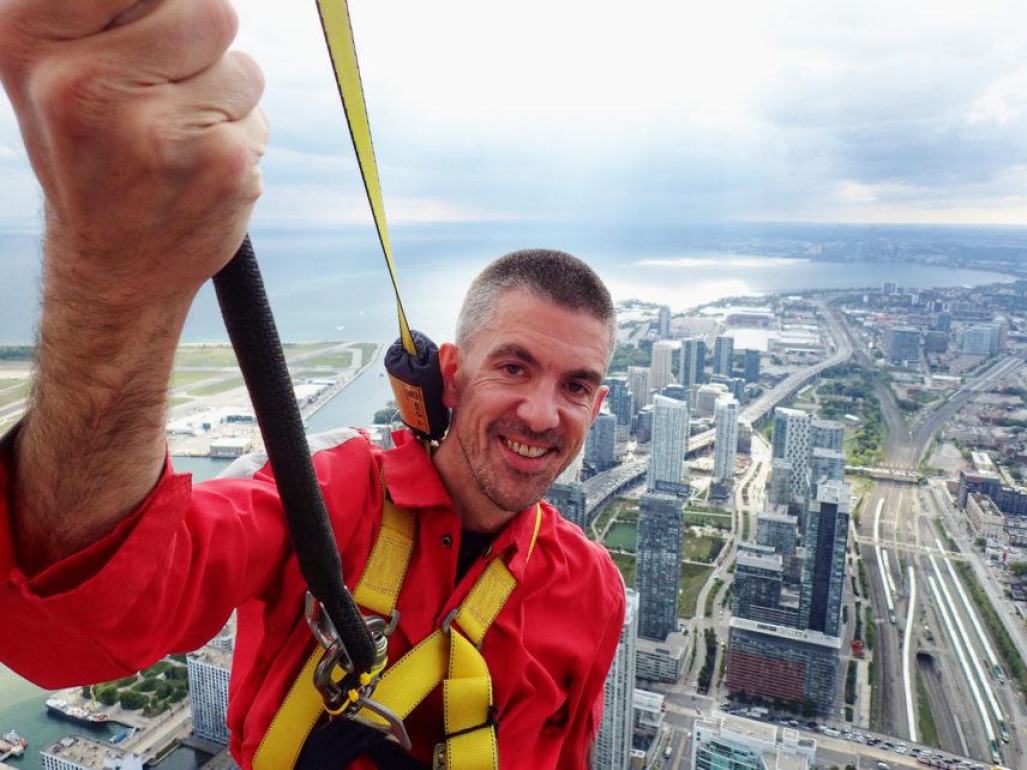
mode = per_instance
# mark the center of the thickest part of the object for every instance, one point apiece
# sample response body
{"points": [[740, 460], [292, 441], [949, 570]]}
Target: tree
{"points": [[1018, 568], [131, 701], [107, 695]]}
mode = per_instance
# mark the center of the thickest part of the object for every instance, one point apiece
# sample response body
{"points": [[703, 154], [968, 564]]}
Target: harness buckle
{"points": [[343, 696], [447, 626], [439, 751]]}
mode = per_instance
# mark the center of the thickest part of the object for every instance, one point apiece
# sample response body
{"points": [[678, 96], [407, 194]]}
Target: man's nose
{"points": [[538, 409]]}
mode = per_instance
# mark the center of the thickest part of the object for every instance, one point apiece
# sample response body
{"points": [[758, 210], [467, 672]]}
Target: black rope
{"points": [[251, 328]]}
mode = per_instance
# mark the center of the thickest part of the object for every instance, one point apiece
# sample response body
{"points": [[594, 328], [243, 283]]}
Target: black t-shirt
{"points": [[334, 743]]}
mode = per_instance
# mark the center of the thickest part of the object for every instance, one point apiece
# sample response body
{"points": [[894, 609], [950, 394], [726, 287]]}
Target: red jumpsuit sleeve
{"points": [[583, 727], [164, 580]]}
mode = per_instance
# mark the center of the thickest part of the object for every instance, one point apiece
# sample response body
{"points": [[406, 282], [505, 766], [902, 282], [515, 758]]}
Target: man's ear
{"points": [[449, 363], [600, 398]]}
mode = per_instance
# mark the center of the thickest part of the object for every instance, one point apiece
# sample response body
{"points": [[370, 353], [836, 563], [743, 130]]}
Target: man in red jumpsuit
{"points": [[145, 135]]}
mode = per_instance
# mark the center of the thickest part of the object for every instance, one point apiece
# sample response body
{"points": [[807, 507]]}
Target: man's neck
{"points": [[477, 513]]}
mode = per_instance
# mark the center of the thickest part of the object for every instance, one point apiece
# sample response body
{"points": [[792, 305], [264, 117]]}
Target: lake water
{"points": [[332, 285]]}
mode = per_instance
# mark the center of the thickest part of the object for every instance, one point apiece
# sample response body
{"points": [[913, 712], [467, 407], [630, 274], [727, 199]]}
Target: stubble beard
{"points": [[527, 493]]}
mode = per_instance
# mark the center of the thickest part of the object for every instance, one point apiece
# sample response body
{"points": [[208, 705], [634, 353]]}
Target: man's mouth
{"points": [[524, 450]]}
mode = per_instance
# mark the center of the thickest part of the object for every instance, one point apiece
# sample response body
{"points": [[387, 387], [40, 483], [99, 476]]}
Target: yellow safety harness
{"points": [[450, 656]]}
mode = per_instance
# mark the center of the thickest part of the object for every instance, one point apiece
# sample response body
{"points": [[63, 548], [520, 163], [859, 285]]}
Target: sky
{"points": [[642, 113]]}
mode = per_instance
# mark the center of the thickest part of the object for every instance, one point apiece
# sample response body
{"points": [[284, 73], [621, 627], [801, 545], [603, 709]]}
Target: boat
{"points": [[75, 714], [12, 744]]}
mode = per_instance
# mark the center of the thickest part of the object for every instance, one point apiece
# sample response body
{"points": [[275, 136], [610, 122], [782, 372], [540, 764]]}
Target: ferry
{"points": [[12, 744], [75, 714]]}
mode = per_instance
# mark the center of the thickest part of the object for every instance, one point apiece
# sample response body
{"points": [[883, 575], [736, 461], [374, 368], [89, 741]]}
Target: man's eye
{"points": [[514, 370], [578, 389]]}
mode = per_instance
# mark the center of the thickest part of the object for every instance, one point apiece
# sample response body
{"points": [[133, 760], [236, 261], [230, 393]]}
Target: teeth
{"points": [[524, 450]]}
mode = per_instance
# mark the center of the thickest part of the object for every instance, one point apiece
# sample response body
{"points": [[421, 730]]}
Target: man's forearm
{"points": [[92, 444]]}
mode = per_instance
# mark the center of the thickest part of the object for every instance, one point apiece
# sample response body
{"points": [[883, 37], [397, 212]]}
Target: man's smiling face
{"points": [[524, 393]]}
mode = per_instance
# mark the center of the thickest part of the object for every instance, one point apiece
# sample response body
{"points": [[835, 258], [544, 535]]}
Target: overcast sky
{"points": [[642, 112]]}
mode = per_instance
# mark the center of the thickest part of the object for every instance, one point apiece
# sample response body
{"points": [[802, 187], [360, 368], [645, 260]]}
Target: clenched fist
{"points": [[144, 132]]}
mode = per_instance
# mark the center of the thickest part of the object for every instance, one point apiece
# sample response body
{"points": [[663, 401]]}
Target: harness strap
{"points": [[448, 656]]}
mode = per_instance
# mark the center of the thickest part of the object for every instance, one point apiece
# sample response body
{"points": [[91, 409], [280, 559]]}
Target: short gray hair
{"points": [[548, 274]]}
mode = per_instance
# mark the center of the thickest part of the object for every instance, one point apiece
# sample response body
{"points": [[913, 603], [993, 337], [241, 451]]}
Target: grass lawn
{"points": [[616, 507], [699, 547], [178, 401], [9, 382], [702, 519], [693, 577], [313, 374], [182, 379], [711, 597], [205, 355], [623, 537], [218, 387], [15, 393], [626, 564], [337, 359], [924, 718], [366, 351]]}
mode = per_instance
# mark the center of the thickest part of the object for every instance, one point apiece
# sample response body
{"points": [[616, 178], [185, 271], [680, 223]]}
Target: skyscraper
{"points": [[725, 447], [600, 443], [619, 398], [752, 366], [663, 322], [658, 571], [568, 497], [661, 372], [723, 355], [902, 344], [692, 365], [791, 442], [826, 465], [827, 434], [208, 670], [670, 442], [613, 743], [823, 577], [639, 385]]}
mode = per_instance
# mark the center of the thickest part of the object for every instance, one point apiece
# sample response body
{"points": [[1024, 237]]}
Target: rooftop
{"points": [[90, 753], [213, 656], [784, 632]]}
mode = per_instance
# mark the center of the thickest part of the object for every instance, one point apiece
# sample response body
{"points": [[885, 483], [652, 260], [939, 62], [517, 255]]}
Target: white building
{"points": [[77, 753], [669, 444], [640, 387], [613, 743], [725, 448], [209, 669], [660, 368], [791, 442], [706, 397], [745, 744]]}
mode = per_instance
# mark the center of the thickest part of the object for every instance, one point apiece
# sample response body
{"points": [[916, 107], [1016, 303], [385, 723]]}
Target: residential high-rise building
{"points": [[766, 660], [982, 339], [208, 671], [936, 341], [826, 538], [779, 488], [600, 443], [613, 742], [734, 743], [725, 448], [943, 323], [779, 531], [619, 398], [825, 465], [692, 364], [826, 434], [569, 499], [723, 355], [639, 385], [752, 366], [670, 443], [757, 591], [791, 442], [658, 570], [902, 343], [661, 364], [663, 322], [706, 397]]}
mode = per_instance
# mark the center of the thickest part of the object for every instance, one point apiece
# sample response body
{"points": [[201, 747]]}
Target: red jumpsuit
{"points": [[168, 577]]}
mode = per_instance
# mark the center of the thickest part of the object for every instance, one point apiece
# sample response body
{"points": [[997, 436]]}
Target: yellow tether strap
{"points": [[338, 33], [449, 657]]}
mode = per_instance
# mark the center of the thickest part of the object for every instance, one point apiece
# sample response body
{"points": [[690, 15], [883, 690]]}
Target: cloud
{"points": [[657, 112]]}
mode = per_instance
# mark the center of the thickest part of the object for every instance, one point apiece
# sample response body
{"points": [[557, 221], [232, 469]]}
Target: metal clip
{"points": [[336, 697]]}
